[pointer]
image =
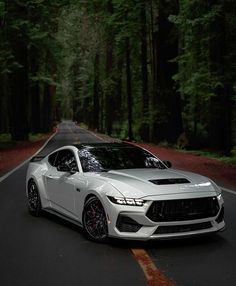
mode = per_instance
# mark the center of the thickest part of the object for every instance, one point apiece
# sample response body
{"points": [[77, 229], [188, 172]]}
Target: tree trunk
{"points": [[19, 99], [118, 89], [4, 104], [46, 109], [101, 113], [96, 92], [129, 90], [19, 94], [34, 91], [168, 121], [49, 91], [221, 104], [109, 67], [144, 128]]}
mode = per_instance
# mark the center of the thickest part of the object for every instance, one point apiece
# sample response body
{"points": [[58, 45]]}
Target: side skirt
{"points": [[63, 216]]}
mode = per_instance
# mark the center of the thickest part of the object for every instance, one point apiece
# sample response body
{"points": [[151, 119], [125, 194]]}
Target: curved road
{"points": [[49, 251]]}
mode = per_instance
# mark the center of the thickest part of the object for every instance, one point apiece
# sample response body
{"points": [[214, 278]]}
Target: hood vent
{"points": [[170, 181]]}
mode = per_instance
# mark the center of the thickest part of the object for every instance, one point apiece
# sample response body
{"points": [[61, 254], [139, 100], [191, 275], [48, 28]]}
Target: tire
{"points": [[34, 201], [95, 221]]}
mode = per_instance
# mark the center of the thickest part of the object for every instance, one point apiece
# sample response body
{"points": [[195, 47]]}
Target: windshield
{"points": [[100, 159]]}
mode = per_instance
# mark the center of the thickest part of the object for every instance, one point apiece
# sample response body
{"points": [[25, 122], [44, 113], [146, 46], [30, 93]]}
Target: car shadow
{"points": [[212, 240], [62, 222], [204, 240]]}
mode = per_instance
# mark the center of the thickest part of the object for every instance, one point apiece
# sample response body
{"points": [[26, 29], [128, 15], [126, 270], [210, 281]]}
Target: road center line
{"points": [[153, 275]]}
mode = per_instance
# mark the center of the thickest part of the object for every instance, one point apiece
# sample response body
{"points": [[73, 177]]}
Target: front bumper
{"points": [[131, 222]]}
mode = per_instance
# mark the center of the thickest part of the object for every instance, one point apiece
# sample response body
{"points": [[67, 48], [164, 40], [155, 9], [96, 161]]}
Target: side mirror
{"points": [[63, 168], [73, 170], [66, 168], [167, 163]]}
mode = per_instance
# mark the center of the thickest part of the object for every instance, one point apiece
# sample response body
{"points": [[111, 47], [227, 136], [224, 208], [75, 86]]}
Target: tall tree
{"points": [[109, 70], [5, 56], [221, 102], [206, 71], [17, 22], [144, 128], [129, 89], [96, 92], [168, 121]]}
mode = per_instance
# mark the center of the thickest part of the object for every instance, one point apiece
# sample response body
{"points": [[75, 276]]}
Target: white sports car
{"points": [[120, 190]]}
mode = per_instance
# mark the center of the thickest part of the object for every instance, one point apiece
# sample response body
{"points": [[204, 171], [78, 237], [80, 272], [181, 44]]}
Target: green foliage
{"points": [[197, 80], [80, 49], [79, 42], [5, 137], [108, 86], [2, 10], [28, 47], [35, 137], [85, 29], [226, 159]]}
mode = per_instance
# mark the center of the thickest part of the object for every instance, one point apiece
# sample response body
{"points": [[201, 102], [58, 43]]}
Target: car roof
{"points": [[104, 145]]}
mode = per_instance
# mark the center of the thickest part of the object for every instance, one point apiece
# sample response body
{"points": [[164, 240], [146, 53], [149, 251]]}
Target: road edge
{"points": [[228, 190], [2, 178]]}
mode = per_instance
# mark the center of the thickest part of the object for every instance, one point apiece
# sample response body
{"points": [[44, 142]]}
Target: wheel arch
{"points": [[41, 189], [29, 180], [90, 195], [93, 193]]}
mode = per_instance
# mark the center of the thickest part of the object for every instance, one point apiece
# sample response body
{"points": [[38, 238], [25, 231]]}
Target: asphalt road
{"points": [[50, 251]]}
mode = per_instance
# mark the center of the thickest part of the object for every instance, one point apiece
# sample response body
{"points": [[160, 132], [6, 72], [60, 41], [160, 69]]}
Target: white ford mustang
{"points": [[120, 190]]}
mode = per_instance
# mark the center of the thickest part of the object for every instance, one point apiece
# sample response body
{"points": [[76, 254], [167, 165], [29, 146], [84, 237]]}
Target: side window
{"points": [[52, 159], [89, 161], [66, 157]]}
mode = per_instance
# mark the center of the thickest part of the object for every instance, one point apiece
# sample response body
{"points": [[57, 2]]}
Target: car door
{"points": [[60, 184]]}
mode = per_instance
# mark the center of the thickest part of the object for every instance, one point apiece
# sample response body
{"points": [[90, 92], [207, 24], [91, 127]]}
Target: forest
{"points": [[161, 71]]}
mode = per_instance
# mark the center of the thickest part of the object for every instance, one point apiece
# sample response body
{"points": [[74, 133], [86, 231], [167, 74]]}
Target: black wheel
{"points": [[34, 202], [95, 221]]}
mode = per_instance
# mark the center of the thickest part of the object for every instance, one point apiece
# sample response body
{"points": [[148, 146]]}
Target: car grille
{"points": [[182, 228], [182, 210]]}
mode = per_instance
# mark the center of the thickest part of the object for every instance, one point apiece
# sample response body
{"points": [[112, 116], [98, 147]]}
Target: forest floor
{"points": [[223, 173], [11, 157]]}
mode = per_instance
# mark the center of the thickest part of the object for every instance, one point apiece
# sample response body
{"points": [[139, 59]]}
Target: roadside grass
{"points": [[5, 137], [83, 125], [5, 141], [222, 158]]}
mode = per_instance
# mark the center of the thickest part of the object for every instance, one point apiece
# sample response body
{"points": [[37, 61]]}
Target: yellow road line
{"points": [[153, 275]]}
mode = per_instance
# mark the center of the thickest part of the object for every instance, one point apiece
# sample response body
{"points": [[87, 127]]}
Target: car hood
{"points": [[136, 183]]}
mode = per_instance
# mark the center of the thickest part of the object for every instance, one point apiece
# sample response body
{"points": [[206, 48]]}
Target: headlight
{"points": [[127, 201]]}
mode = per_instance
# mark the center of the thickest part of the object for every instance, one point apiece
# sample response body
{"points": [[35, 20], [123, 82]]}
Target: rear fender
{"points": [[35, 172]]}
